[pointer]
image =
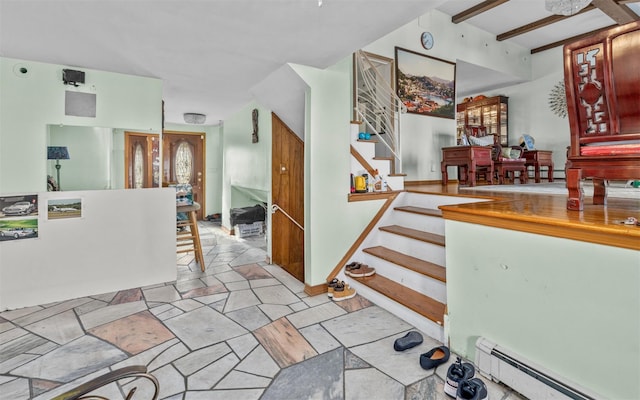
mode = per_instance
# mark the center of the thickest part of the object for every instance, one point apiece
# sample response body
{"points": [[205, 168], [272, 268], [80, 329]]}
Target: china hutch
{"points": [[488, 115]]}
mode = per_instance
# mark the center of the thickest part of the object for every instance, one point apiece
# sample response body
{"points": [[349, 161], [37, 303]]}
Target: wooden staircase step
{"points": [[420, 210], [414, 234], [417, 302], [427, 268]]}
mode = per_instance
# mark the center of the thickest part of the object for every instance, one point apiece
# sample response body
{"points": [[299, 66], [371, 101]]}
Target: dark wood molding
{"points": [[615, 9], [569, 40], [538, 24], [315, 290], [620, 13], [426, 182], [475, 10]]}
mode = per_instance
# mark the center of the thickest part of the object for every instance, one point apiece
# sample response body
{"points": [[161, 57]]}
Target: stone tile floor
{"points": [[243, 329]]}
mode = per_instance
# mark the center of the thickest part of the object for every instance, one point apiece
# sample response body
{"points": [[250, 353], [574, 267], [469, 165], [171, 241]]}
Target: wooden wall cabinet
{"points": [[490, 113]]}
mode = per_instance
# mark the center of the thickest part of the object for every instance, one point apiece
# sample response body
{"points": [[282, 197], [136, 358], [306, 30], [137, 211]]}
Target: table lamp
{"points": [[57, 153]]}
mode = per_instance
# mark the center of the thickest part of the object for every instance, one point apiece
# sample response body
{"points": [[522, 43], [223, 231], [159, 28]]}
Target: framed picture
{"points": [[18, 217], [426, 85], [64, 208]]}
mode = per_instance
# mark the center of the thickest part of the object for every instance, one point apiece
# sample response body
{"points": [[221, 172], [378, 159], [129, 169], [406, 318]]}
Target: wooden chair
{"points": [[506, 164], [509, 162], [602, 81]]}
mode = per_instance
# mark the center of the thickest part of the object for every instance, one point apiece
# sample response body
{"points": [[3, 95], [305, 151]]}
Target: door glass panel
{"points": [[183, 163], [138, 167]]}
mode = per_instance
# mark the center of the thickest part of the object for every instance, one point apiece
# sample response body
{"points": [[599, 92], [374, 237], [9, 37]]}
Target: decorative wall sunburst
{"points": [[558, 100]]}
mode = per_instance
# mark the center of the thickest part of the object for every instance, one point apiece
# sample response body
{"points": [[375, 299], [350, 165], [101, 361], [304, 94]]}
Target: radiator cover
{"points": [[502, 365]]}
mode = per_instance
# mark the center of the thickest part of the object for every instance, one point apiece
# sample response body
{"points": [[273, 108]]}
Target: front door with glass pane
{"points": [[183, 162], [142, 160]]}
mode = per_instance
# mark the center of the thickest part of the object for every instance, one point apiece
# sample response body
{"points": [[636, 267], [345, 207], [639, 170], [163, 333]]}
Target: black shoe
{"points": [[411, 339], [456, 373], [472, 389], [434, 357]]}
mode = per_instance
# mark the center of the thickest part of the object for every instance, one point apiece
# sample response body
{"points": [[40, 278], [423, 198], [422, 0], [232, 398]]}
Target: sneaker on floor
{"points": [[343, 291], [360, 271], [331, 286], [456, 373], [472, 389]]}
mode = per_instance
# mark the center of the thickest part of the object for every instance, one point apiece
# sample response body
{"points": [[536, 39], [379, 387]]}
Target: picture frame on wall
{"points": [[426, 85], [18, 217], [64, 208]]}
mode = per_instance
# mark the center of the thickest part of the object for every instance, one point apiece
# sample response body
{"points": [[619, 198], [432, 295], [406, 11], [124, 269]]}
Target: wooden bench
{"points": [[602, 81]]}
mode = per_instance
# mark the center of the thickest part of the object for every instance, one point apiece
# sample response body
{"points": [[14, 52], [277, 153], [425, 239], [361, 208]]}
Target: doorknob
{"points": [[283, 169]]}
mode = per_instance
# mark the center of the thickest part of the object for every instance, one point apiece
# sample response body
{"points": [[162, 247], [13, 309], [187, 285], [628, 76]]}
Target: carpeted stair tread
{"points": [[420, 210], [414, 234], [417, 302], [427, 268]]}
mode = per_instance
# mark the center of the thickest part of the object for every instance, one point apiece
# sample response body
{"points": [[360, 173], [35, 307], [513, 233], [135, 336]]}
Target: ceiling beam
{"points": [[538, 24], [620, 13], [475, 10], [569, 40]]}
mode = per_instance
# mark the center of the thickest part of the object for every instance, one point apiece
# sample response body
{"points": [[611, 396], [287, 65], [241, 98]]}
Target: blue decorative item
{"points": [[367, 136], [361, 135]]}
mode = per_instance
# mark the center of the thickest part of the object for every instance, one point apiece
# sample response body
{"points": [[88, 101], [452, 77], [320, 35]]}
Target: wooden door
{"points": [[141, 159], [183, 161], [287, 186]]}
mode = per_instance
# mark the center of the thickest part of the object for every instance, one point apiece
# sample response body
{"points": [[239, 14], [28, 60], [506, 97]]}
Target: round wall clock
{"points": [[427, 40]]}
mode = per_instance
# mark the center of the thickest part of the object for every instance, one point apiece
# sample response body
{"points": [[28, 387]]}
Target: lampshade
{"points": [[57, 153], [194, 118], [565, 7]]}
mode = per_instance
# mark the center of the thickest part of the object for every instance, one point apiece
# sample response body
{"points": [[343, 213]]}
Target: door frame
{"points": [[149, 137], [202, 201]]}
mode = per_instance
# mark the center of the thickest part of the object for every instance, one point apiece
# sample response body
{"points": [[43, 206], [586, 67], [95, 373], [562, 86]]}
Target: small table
{"points": [[467, 158], [537, 159]]}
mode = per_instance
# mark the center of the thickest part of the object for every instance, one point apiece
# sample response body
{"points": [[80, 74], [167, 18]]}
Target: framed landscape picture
{"points": [[64, 208], [426, 85]]}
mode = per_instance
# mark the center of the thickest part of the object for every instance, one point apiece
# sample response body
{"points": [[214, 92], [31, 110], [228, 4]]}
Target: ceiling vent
{"points": [[194, 118]]}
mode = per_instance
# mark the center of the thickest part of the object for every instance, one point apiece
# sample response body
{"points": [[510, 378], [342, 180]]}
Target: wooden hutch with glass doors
{"points": [[487, 115]]}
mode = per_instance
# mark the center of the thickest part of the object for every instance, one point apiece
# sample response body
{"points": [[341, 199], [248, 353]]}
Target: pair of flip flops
{"points": [[358, 270]]}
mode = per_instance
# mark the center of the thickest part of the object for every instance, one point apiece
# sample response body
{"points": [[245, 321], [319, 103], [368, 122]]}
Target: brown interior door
{"points": [[140, 169], [287, 185], [183, 162]]}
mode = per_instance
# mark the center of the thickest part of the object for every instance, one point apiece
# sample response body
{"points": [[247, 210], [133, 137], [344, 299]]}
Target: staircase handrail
{"points": [[384, 108]]}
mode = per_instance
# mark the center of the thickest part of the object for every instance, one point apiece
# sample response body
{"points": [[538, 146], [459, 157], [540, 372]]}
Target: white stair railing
{"points": [[378, 106]]}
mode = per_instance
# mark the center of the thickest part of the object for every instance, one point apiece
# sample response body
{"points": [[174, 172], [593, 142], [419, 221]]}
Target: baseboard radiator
{"points": [[502, 365]]}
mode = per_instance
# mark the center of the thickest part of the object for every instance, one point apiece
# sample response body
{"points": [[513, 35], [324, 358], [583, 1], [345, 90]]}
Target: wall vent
{"points": [[501, 365]]}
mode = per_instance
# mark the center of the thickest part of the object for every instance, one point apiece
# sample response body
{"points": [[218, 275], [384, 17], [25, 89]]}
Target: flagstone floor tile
{"points": [[284, 343], [242, 329], [135, 333]]}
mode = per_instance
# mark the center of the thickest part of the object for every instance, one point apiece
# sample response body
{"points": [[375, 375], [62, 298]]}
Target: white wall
{"points": [[567, 305], [29, 102], [422, 137], [331, 223], [125, 239], [529, 111], [246, 165]]}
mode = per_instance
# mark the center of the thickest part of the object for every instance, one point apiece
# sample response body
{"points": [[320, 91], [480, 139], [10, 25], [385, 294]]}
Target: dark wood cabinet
{"points": [[489, 115]]}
